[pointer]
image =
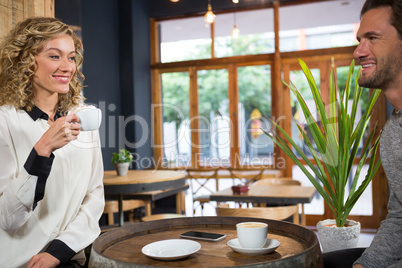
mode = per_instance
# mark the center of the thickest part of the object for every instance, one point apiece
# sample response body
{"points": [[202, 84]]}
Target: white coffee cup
{"points": [[90, 118], [252, 234]]}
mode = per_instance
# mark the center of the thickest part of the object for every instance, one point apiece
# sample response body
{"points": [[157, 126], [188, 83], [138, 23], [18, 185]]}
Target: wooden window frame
{"points": [[281, 64]]}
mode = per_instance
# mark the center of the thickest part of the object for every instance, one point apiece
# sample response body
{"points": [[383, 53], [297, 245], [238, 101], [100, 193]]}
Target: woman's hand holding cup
{"points": [[60, 133]]}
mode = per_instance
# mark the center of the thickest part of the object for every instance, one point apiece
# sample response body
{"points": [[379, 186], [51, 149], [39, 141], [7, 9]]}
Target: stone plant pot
{"points": [[122, 168], [335, 238]]}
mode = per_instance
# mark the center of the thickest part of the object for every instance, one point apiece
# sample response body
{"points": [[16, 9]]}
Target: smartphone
{"points": [[203, 236]]}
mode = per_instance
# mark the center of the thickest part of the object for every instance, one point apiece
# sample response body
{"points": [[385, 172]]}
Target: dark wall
{"points": [[101, 67], [69, 11], [134, 55], [116, 66], [142, 82]]}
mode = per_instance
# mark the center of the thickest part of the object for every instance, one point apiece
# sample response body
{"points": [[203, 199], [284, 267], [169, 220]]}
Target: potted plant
{"points": [[334, 145], [121, 161]]}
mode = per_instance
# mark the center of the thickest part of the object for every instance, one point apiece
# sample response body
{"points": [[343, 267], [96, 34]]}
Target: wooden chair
{"points": [[162, 216], [274, 213], [112, 207], [283, 181], [246, 175], [198, 178]]}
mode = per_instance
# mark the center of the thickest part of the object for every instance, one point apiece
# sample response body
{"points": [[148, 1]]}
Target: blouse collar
{"points": [[37, 113]]}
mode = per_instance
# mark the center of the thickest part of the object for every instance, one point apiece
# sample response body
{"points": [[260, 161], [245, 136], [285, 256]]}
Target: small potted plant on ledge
{"points": [[122, 160], [334, 144]]}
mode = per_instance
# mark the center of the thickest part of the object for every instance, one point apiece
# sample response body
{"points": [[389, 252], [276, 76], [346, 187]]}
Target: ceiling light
{"points": [[209, 16], [235, 1], [235, 32]]}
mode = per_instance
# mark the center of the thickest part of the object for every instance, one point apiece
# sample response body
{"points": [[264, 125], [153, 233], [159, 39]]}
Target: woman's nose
{"points": [[67, 65]]}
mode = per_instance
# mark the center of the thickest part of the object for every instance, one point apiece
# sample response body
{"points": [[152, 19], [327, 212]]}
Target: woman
{"points": [[51, 192]]}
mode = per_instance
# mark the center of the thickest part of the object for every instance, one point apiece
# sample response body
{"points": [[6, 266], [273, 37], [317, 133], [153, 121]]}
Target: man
{"points": [[380, 55]]}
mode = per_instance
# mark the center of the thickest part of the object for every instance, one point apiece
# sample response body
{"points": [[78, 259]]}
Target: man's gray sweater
{"points": [[386, 248]]}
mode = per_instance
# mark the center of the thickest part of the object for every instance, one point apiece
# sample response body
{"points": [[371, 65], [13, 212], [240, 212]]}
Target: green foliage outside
{"points": [[254, 83], [175, 94], [212, 91]]}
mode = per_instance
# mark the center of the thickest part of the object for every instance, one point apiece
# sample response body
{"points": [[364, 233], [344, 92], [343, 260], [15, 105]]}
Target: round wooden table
{"points": [[137, 181], [122, 247]]}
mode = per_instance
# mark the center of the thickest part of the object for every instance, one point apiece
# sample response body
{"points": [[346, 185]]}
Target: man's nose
{"points": [[361, 50]]}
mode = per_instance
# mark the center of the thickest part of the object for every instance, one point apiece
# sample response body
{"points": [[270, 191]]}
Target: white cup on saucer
{"points": [[252, 234], [90, 117]]}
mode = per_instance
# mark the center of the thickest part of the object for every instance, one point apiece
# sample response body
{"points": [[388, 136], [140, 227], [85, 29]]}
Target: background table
{"points": [[270, 195], [141, 181], [157, 195], [122, 247]]}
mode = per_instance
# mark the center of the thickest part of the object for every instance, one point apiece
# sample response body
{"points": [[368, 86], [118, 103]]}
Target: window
{"points": [[185, 39], [223, 96], [254, 110], [297, 77], [176, 130], [190, 38], [213, 115], [256, 33], [309, 29]]}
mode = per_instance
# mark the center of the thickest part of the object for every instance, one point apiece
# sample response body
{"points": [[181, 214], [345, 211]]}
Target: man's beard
{"points": [[387, 69]]}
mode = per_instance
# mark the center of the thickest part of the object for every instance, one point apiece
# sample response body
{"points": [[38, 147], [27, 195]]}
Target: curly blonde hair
{"points": [[17, 60]]}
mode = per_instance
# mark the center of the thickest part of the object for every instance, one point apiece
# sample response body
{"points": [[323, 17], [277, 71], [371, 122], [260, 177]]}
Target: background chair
{"points": [[283, 181], [162, 216], [274, 213], [198, 179], [112, 207], [246, 175]]}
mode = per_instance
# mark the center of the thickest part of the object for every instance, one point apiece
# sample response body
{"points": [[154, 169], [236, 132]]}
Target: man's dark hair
{"points": [[396, 11]]}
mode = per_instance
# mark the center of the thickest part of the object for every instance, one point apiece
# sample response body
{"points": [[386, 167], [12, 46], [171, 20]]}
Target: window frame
{"points": [[281, 65]]}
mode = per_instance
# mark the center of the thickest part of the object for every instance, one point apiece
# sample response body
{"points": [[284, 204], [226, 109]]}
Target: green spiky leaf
{"points": [[337, 143]]}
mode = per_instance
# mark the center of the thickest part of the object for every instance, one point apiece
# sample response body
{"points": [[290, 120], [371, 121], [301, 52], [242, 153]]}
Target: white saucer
{"points": [[171, 249], [269, 246]]}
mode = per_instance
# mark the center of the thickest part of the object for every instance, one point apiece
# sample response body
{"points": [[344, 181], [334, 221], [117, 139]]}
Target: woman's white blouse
{"points": [[73, 200]]}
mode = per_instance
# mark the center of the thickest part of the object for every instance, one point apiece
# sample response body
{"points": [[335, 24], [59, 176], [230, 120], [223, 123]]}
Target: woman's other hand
{"points": [[43, 260], [60, 133]]}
